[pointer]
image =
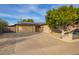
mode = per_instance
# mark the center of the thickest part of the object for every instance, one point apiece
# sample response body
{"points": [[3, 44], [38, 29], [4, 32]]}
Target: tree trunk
{"points": [[62, 33]]}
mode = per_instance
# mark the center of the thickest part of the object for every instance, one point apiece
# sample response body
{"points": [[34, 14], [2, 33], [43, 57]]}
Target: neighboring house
{"points": [[29, 27]]}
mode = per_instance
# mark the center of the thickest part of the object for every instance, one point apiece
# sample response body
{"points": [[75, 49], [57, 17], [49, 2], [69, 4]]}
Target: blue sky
{"points": [[15, 12]]}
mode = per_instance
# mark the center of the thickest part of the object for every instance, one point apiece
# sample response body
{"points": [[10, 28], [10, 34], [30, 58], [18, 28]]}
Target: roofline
{"points": [[27, 24], [30, 24]]}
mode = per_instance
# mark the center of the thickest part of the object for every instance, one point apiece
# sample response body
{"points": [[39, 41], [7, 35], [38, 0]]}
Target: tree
{"points": [[26, 20], [3, 24], [62, 17]]}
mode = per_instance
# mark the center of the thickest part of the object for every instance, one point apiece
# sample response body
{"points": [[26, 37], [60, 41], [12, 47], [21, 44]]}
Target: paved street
{"points": [[38, 44]]}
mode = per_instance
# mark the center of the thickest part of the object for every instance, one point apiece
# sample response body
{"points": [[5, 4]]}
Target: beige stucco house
{"points": [[29, 27], [37, 27]]}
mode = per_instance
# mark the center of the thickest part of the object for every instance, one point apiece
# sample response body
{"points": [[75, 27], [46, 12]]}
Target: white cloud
{"points": [[8, 15], [34, 8], [28, 16], [43, 12], [27, 8], [18, 16]]}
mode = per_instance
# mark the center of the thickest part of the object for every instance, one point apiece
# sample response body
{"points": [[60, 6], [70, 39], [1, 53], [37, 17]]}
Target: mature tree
{"points": [[3, 24], [62, 17], [25, 20]]}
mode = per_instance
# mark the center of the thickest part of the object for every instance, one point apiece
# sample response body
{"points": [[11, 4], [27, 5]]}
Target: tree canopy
{"points": [[3, 24], [62, 16], [25, 20]]}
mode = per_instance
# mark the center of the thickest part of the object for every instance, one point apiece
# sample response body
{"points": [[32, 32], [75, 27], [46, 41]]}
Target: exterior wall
{"points": [[46, 29], [11, 29], [29, 28], [25, 28], [41, 28]]}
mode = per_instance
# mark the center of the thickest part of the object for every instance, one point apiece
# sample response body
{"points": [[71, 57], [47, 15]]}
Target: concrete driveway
{"points": [[45, 44], [38, 44], [16, 35]]}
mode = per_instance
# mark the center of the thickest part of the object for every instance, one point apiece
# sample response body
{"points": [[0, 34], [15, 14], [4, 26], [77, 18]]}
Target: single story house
{"points": [[29, 27]]}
